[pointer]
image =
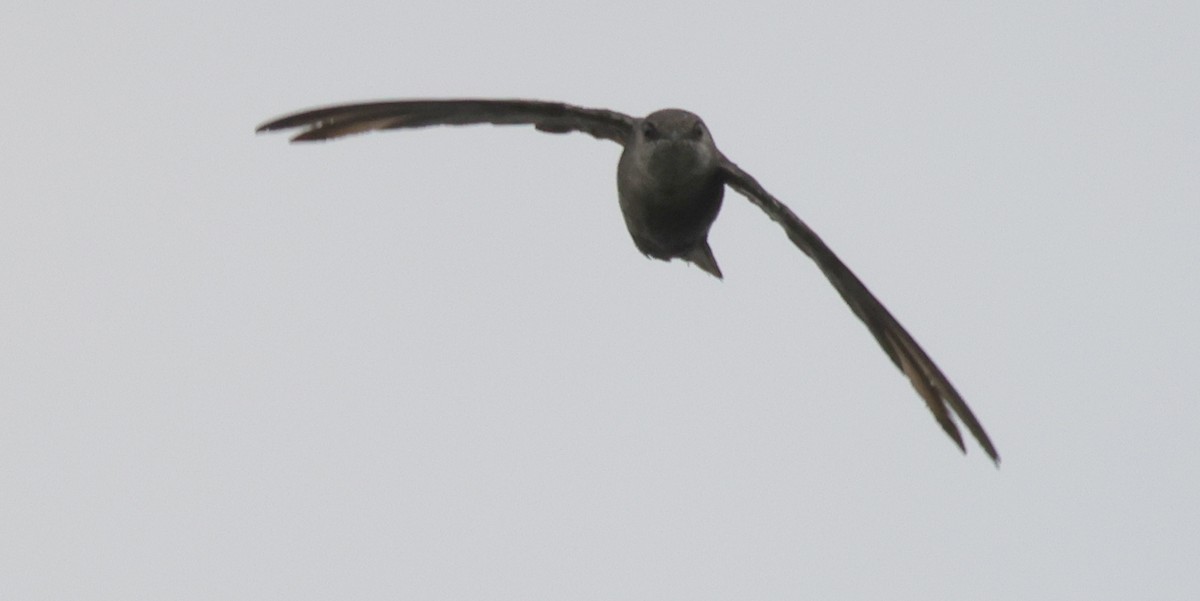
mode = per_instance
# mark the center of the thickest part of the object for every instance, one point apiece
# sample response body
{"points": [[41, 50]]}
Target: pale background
{"points": [[432, 365]]}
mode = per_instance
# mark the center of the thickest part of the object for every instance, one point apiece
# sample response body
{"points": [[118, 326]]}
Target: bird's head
{"points": [[675, 141], [672, 125]]}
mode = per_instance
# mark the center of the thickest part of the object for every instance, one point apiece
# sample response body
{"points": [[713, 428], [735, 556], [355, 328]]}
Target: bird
{"points": [[671, 180]]}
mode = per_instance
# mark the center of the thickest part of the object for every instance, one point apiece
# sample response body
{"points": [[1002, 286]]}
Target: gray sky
{"points": [[432, 365]]}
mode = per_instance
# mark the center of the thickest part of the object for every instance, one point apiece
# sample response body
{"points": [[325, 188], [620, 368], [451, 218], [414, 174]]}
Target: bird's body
{"points": [[670, 182], [670, 188]]}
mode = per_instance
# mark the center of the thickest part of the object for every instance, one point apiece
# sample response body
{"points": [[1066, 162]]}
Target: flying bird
{"points": [[670, 183]]}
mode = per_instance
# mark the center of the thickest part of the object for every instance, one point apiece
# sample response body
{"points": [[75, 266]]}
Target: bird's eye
{"points": [[698, 130], [649, 131]]}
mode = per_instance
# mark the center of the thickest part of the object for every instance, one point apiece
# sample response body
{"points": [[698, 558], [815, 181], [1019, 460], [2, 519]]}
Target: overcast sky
{"points": [[432, 365]]}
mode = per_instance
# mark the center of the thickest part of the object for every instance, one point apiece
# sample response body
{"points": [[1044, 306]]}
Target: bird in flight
{"points": [[670, 182]]}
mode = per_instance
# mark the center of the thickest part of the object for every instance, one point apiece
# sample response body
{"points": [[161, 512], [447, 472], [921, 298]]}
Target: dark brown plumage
{"points": [[670, 182]]}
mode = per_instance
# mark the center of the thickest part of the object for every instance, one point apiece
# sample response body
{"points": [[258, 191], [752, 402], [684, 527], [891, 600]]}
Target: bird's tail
{"points": [[701, 256]]}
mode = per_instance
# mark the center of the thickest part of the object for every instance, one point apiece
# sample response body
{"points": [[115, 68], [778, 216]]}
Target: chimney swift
{"points": [[670, 182]]}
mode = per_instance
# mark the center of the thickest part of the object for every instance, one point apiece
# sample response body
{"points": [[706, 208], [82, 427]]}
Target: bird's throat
{"points": [[674, 164]]}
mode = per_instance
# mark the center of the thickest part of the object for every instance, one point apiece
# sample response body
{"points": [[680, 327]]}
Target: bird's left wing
{"points": [[929, 381], [553, 117]]}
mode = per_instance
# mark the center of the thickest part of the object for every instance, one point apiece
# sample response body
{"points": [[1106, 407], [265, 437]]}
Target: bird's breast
{"points": [[674, 165], [669, 200], [671, 174]]}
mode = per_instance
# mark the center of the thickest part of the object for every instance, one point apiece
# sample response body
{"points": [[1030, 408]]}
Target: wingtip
{"points": [[986, 445], [955, 435], [272, 125], [991, 452], [943, 419], [305, 136], [985, 442], [315, 134]]}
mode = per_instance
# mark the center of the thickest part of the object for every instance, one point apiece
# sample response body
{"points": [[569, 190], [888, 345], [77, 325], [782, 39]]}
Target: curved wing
{"points": [[929, 381], [553, 117]]}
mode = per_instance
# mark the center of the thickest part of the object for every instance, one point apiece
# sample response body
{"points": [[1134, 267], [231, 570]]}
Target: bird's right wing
{"points": [[553, 117], [929, 381]]}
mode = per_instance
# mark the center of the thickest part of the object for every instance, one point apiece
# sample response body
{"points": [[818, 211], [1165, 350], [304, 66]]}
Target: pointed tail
{"points": [[702, 256]]}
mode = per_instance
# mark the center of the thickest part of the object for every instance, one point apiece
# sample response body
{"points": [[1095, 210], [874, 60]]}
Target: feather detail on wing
{"points": [[929, 381], [552, 117]]}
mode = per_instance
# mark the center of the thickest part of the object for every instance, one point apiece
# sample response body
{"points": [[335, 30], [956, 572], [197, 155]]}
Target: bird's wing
{"points": [[926, 378], [554, 117]]}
